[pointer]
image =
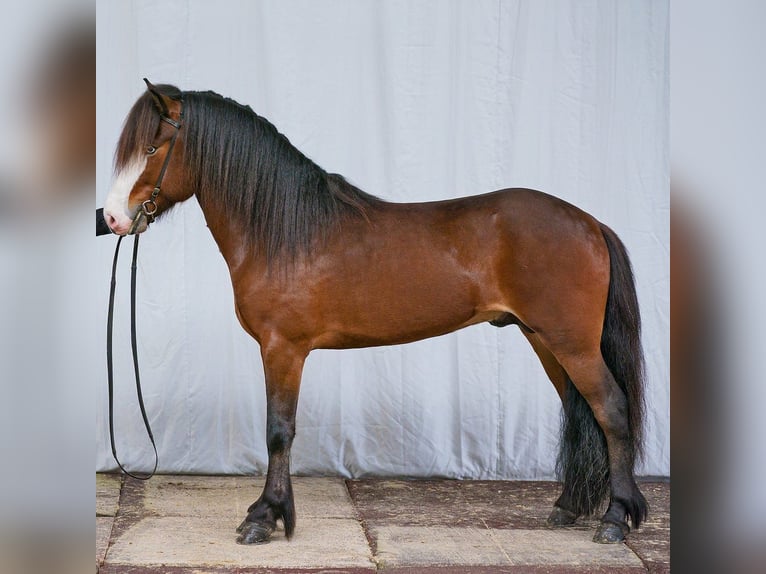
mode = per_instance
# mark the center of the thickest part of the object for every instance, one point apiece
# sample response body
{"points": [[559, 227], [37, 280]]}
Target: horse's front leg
{"points": [[283, 365]]}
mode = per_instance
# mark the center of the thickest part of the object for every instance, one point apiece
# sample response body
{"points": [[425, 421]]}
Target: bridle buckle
{"points": [[149, 207]]}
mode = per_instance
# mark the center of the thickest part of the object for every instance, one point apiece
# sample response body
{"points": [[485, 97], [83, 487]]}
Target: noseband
{"points": [[149, 207]]}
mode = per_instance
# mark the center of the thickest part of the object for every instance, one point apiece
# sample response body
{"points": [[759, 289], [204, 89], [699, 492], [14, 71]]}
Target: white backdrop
{"points": [[410, 100]]}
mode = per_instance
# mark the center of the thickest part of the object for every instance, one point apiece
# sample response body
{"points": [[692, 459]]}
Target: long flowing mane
{"points": [[238, 162]]}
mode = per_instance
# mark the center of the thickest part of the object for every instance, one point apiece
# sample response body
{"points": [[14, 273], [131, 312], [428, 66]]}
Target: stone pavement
{"points": [[186, 525]]}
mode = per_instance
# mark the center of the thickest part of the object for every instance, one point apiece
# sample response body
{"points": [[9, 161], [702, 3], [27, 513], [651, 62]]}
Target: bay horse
{"points": [[316, 262]]}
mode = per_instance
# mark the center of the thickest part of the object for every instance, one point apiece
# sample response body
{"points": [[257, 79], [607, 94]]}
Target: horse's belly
{"points": [[389, 313]]}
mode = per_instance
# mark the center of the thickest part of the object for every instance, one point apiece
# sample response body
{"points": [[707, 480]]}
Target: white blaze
{"points": [[116, 205]]}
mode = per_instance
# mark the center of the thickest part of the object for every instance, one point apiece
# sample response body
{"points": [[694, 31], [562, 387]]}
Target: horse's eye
{"points": [[150, 150]]}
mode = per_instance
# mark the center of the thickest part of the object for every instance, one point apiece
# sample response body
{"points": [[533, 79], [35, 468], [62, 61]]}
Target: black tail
{"points": [[621, 338], [583, 462]]}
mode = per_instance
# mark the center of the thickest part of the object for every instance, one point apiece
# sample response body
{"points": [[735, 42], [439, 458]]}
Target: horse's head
{"points": [[148, 162]]}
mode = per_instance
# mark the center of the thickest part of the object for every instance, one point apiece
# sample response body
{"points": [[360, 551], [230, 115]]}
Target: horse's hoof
{"points": [[254, 533], [610, 533], [561, 517]]}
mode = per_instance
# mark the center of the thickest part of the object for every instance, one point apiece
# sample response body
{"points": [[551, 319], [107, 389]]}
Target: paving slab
{"points": [[407, 523], [208, 542], [187, 524], [107, 504], [418, 547], [108, 494]]}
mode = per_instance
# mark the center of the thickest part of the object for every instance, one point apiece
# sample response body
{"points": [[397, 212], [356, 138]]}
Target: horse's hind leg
{"points": [[283, 366], [564, 511], [593, 380]]}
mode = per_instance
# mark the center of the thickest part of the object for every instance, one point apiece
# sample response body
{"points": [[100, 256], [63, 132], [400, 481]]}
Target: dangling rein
{"points": [[148, 209], [133, 346]]}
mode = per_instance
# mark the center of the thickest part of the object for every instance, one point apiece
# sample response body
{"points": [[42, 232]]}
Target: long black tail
{"points": [[621, 338], [583, 462]]}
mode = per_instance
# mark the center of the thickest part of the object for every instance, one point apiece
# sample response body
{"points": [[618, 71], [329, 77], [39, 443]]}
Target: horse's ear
{"points": [[159, 100]]}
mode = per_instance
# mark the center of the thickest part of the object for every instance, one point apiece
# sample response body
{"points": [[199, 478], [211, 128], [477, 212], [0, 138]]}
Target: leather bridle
{"points": [[147, 210], [149, 207]]}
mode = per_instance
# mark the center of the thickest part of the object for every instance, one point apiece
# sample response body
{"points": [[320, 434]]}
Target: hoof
{"points": [[253, 533], [560, 517], [610, 533]]}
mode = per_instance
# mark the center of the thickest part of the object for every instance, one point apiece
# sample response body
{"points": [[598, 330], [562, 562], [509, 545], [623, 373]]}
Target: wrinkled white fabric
{"points": [[411, 101]]}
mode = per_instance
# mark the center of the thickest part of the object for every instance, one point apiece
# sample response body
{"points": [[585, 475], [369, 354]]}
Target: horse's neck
{"points": [[235, 250]]}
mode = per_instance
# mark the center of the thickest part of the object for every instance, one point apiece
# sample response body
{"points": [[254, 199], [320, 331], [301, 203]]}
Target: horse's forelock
{"points": [[140, 127]]}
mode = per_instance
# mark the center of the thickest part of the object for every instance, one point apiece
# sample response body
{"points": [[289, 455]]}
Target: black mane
{"points": [[238, 162]]}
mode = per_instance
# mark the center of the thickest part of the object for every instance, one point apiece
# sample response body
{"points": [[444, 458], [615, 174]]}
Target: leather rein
{"points": [[148, 210]]}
